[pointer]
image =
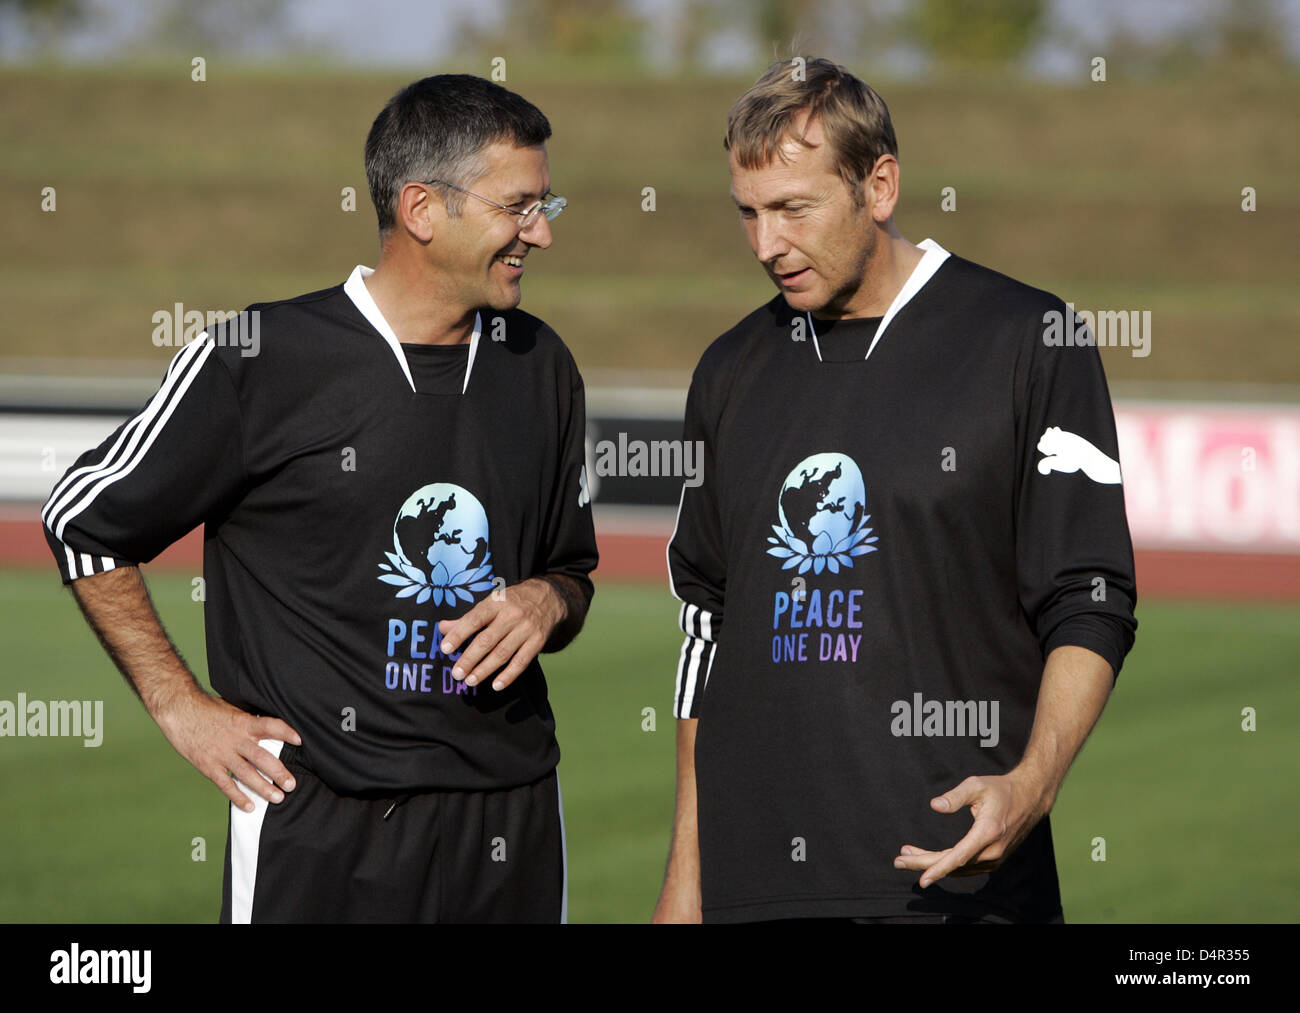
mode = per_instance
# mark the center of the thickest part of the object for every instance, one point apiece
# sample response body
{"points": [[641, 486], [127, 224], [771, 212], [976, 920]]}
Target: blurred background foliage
{"points": [[1119, 194]]}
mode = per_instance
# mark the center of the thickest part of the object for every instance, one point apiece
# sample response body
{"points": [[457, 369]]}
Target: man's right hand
{"points": [[220, 740], [217, 738]]}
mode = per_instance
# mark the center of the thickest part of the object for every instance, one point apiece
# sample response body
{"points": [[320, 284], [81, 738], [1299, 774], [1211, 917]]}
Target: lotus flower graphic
{"points": [[440, 543], [822, 509]]}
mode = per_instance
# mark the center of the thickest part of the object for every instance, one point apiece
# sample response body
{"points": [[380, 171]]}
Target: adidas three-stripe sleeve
{"points": [[696, 566], [157, 477]]}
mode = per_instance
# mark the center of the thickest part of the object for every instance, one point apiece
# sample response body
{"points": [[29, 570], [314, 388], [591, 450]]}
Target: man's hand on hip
{"points": [[220, 740], [217, 738], [508, 632]]}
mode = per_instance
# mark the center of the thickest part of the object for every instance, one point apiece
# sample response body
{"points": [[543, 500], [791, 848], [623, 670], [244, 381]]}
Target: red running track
{"points": [[640, 557]]}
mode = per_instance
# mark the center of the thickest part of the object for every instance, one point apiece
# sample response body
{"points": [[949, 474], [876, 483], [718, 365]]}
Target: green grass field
{"points": [[1196, 813]]}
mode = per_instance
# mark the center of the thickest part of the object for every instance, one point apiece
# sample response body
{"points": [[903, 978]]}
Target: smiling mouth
{"points": [[511, 261]]}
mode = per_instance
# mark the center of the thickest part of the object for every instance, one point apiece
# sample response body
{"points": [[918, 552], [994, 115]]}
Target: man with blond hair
{"points": [[926, 578]]}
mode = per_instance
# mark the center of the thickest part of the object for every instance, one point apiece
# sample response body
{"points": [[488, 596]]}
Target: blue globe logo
{"points": [[823, 514], [440, 542]]}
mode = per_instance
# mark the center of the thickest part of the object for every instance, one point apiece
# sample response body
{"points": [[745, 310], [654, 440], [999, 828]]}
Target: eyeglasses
{"points": [[550, 205]]}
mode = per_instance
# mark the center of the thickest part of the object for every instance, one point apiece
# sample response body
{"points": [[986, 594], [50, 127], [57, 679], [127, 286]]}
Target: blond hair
{"points": [[853, 117]]}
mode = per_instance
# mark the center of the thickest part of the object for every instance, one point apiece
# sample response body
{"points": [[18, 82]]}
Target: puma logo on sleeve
{"points": [[1069, 452]]}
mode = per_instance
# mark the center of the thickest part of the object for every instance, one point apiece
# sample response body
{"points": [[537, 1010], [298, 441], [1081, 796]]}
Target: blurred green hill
{"points": [[1118, 195]]}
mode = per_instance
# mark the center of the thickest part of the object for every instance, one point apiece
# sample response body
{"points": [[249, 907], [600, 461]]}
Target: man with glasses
{"points": [[396, 524]]}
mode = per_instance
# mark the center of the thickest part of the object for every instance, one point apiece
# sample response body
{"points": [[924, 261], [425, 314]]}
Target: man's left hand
{"points": [[1006, 807], [509, 631]]}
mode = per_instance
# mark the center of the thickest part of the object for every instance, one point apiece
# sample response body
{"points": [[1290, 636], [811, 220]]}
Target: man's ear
{"points": [[882, 188], [419, 212]]}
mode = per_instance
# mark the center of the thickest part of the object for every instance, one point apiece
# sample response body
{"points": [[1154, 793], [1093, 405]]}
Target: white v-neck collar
{"points": [[356, 290], [930, 262]]}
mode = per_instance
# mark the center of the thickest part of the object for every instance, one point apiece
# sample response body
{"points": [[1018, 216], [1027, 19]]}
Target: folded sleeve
{"points": [[1073, 549], [697, 560], [158, 476]]}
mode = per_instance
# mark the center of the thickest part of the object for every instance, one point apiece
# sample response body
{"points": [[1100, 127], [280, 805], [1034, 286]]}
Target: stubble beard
{"points": [[858, 277]]}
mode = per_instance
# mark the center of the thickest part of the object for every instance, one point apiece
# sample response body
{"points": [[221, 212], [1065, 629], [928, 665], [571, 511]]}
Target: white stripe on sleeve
{"points": [[75, 501]]}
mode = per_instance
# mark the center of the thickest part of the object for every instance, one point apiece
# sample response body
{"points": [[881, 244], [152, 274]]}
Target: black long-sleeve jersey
{"points": [[881, 553], [353, 495]]}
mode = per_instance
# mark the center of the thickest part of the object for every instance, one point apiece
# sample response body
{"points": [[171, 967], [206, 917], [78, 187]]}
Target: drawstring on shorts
{"points": [[396, 802]]}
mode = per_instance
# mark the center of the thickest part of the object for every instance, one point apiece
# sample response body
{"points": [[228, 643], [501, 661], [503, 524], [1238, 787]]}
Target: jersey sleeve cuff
{"points": [[1101, 634], [74, 565], [696, 659]]}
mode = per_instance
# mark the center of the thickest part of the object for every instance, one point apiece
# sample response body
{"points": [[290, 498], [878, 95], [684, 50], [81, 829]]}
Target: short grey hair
{"points": [[437, 128]]}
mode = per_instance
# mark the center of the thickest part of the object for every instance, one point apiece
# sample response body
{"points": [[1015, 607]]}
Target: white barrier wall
{"points": [[1197, 476]]}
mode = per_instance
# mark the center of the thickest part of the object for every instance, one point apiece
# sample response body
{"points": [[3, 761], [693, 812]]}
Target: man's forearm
{"points": [[575, 602], [680, 898], [684, 854], [219, 740], [1076, 684], [117, 606]]}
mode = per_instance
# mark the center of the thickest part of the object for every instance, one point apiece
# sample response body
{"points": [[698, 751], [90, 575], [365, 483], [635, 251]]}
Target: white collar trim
{"points": [[356, 290], [930, 262]]}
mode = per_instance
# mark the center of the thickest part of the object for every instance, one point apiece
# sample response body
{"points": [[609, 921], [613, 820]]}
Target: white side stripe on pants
{"points": [[245, 836], [564, 857]]}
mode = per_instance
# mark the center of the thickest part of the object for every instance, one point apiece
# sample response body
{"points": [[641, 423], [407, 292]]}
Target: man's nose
{"points": [[537, 232], [768, 241]]}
